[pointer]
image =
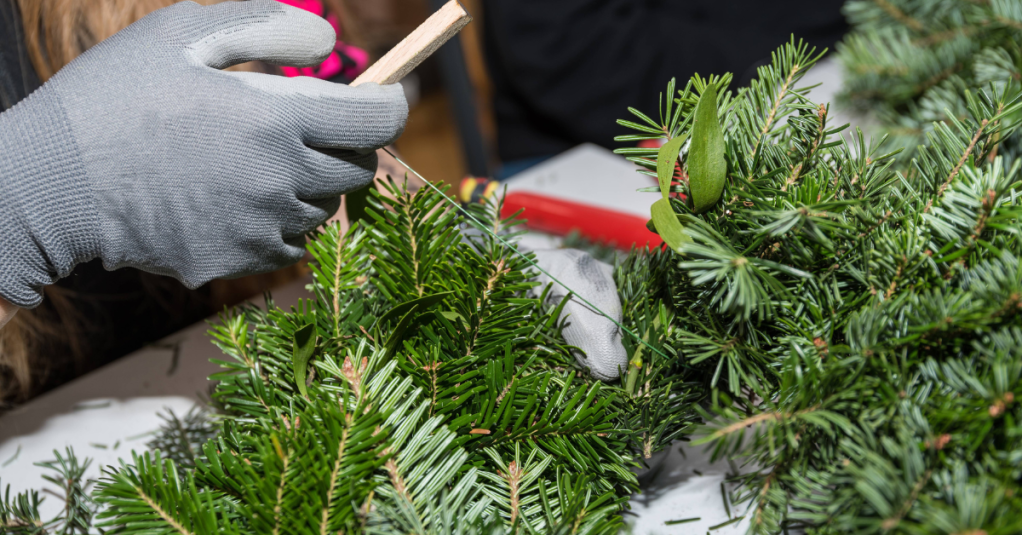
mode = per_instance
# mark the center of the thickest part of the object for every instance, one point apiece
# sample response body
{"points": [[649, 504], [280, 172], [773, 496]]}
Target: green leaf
{"points": [[356, 202], [665, 160], [451, 315], [706, 165], [424, 303], [408, 311], [304, 343], [398, 333], [667, 224]]}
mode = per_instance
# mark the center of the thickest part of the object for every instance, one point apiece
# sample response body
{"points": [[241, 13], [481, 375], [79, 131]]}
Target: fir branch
{"points": [[278, 512], [961, 161], [333, 480], [772, 114], [891, 523], [899, 15], [167, 517], [815, 316], [753, 420]]}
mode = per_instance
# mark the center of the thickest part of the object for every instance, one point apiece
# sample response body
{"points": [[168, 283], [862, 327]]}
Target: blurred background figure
{"points": [[564, 71], [528, 80]]}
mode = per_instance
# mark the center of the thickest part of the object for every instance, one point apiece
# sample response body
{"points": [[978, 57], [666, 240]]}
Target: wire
{"points": [[515, 250]]}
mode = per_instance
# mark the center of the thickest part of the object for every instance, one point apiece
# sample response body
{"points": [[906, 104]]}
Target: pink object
{"points": [[346, 60], [312, 6], [358, 56], [332, 19]]}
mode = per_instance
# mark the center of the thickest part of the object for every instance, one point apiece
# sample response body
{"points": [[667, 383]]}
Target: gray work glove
{"points": [[598, 338], [143, 153]]}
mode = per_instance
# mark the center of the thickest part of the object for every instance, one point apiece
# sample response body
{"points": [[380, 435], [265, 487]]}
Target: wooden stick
{"points": [[418, 46]]}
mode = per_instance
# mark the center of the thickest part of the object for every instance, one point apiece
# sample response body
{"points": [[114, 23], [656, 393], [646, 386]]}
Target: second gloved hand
{"points": [[598, 338], [144, 153]]}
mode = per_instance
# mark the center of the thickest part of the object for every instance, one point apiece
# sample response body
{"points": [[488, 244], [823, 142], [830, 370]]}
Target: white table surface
{"points": [[117, 405], [591, 175]]}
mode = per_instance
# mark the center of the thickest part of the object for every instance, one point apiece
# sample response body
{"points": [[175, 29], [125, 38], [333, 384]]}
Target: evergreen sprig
{"points": [[858, 326], [20, 514], [911, 63], [441, 397]]}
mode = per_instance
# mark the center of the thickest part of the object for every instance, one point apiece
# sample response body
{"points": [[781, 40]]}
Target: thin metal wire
{"points": [[515, 250]]}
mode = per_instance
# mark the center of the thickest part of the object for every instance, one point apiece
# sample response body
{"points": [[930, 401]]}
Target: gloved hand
{"points": [[143, 153], [597, 337]]}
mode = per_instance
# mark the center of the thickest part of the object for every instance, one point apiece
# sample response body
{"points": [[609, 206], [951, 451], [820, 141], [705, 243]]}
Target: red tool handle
{"points": [[560, 217]]}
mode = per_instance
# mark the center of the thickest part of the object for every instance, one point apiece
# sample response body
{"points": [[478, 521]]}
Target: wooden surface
{"points": [[418, 46]]}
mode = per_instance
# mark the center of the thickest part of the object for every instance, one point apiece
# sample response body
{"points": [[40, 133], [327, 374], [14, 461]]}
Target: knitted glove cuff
{"points": [[48, 220]]}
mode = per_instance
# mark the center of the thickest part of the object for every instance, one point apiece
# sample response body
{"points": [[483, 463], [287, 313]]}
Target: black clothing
{"points": [[101, 315], [17, 77], [565, 70]]}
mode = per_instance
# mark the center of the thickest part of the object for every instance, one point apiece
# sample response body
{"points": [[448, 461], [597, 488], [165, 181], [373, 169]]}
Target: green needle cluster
{"points": [[858, 327]]}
